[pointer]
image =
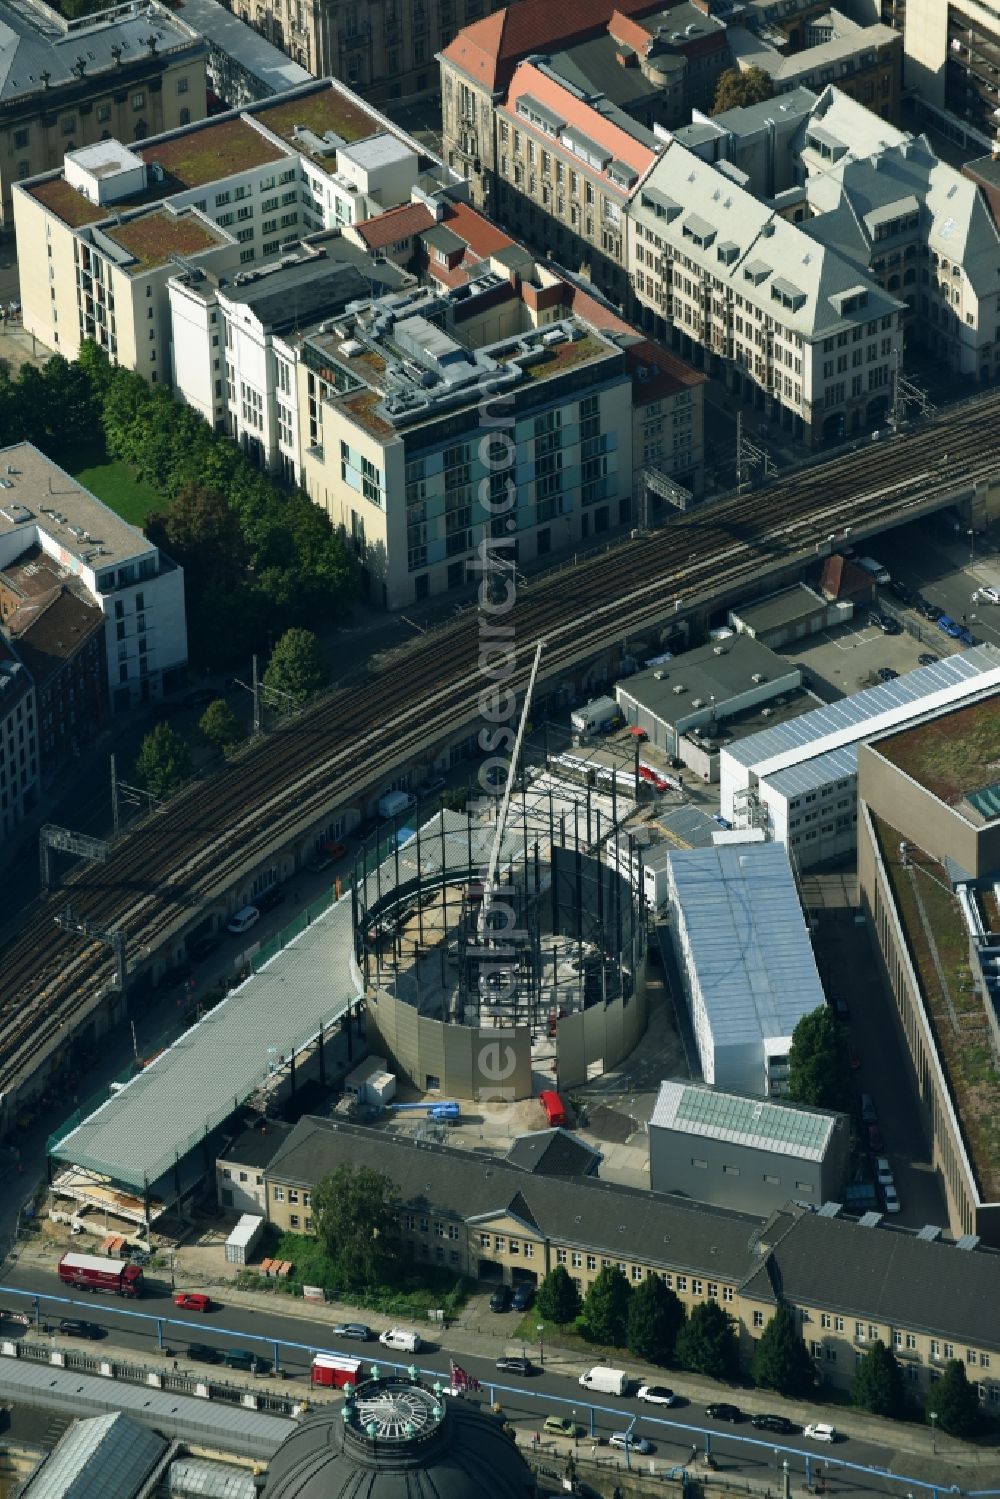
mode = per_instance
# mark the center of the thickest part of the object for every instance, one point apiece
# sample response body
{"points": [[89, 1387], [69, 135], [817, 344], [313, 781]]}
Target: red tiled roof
{"points": [[575, 111], [666, 374], [488, 50], [840, 578], [483, 237], [623, 29], [398, 224]]}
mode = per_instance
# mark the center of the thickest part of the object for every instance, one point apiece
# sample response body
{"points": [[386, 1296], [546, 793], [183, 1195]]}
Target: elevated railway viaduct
{"points": [[162, 874]]}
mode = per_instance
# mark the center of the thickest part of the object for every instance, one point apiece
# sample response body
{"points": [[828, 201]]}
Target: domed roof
{"points": [[396, 1439]]}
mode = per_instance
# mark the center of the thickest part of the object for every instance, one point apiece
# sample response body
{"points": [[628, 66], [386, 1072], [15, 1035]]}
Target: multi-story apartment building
{"points": [[909, 222], [638, 64], [59, 634], [849, 1283], [18, 741], [395, 395], [788, 321], [383, 48], [99, 241], [121, 73], [865, 62], [928, 865], [137, 588]]}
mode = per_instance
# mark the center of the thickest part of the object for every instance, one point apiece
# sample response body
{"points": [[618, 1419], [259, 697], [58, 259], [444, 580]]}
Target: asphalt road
{"points": [[741, 1449]]}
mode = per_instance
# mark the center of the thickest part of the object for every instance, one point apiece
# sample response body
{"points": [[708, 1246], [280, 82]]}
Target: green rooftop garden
{"points": [[953, 754]]}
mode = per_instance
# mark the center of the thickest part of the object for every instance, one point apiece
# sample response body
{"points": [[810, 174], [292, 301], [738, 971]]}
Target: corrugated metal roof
{"points": [[739, 911], [810, 775], [236, 1429], [194, 1475], [886, 706], [104, 1457], [695, 1109]]}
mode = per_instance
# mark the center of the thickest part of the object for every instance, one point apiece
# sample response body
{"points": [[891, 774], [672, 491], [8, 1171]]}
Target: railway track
{"points": [[168, 866]]}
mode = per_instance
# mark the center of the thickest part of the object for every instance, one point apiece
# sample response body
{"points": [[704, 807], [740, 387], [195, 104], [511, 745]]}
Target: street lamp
{"points": [[541, 1344], [932, 1418], [972, 547]]}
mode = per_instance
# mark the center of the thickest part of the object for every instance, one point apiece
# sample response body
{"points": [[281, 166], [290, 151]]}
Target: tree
{"points": [[354, 1209], [817, 1062], [955, 1400], [558, 1299], [655, 1317], [163, 762], [706, 1344], [295, 672], [736, 88], [606, 1306], [878, 1383], [781, 1360], [220, 726]]}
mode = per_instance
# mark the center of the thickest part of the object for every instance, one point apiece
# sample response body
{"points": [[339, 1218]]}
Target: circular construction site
{"points": [[497, 965]]}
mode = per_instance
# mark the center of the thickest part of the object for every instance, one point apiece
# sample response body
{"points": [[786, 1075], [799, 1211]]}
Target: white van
{"points": [[395, 804], [400, 1338], [244, 920], [605, 1381]]}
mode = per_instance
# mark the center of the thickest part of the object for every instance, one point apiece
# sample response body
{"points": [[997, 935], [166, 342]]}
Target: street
{"points": [[742, 1450]]}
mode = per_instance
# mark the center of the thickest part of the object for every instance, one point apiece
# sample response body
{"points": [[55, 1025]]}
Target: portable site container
{"points": [[335, 1371], [244, 1239]]}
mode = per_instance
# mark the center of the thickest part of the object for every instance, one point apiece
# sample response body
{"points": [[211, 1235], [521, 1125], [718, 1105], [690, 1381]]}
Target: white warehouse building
{"points": [[745, 958], [798, 780]]}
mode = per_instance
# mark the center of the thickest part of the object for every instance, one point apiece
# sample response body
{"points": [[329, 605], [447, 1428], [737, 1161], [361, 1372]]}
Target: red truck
{"points": [[553, 1106], [92, 1273]]}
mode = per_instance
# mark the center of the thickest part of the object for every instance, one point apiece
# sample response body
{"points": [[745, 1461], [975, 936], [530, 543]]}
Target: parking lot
{"points": [[930, 559]]}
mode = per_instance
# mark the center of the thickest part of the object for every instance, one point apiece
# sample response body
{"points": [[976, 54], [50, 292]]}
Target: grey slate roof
{"points": [[885, 1275], [103, 1457], [256, 1147], [620, 1221], [295, 296], [553, 1152], [33, 42], [273, 69]]}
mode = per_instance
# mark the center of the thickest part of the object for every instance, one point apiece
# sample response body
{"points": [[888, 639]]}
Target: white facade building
{"points": [[798, 781], [746, 959], [139, 590]]}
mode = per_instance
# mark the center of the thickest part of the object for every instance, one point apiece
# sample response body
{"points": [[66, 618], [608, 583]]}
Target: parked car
{"points": [[928, 610], [869, 1113], [883, 1171], [723, 1411], [73, 1327], [656, 1394], [561, 1426], [630, 1440], [524, 1295], [819, 1431], [242, 1358], [500, 1300], [887, 674], [244, 919], [902, 591], [926, 659], [986, 595], [891, 1198], [359, 1330], [875, 1141], [203, 1353], [203, 947], [949, 626], [511, 1365], [780, 1424], [722, 821], [271, 898]]}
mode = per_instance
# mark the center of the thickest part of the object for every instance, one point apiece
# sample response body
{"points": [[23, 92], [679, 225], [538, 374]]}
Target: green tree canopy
{"points": [[295, 672], [781, 1360], [706, 1344], [817, 1062], [955, 1400], [736, 88], [220, 726], [163, 762], [558, 1299], [878, 1382], [354, 1209], [606, 1307], [655, 1317]]}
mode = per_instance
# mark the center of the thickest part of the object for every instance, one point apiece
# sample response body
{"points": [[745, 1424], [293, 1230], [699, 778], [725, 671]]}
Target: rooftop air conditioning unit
{"points": [[720, 650], [678, 686], [758, 677], [697, 702]]}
